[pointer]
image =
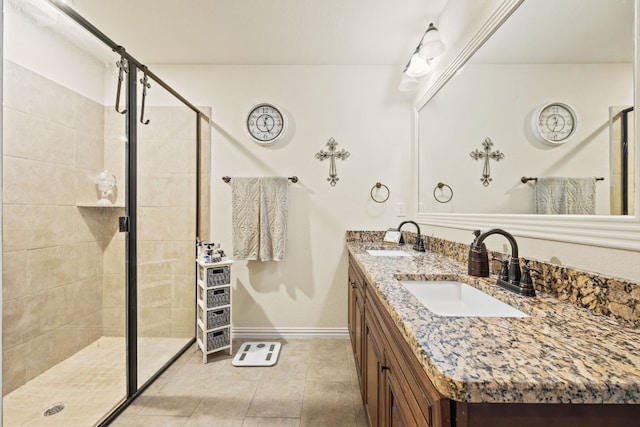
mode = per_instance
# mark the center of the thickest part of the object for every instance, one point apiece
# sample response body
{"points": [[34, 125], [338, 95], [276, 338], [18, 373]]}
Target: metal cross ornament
{"points": [[487, 154], [333, 155]]}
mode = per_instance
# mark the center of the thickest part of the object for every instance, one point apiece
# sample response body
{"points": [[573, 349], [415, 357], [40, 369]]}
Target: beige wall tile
{"points": [[159, 124], [14, 322], [14, 275], [113, 322], [52, 101], [88, 151], [29, 226], [114, 257], [114, 123], [89, 117], [166, 223], [181, 251], [114, 291], [14, 368], [183, 322], [49, 349], [166, 156], [15, 184], [51, 184], [183, 292], [49, 268], [15, 86], [154, 291], [183, 123], [167, 190], [154, 322]]}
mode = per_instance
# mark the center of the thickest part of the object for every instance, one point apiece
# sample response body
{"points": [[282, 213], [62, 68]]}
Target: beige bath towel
{"points": [[245, 217], [259, 218], [555, 195]]}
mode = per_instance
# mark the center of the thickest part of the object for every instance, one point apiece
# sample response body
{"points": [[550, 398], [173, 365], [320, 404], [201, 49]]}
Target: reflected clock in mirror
{"points": [[554, 123]]}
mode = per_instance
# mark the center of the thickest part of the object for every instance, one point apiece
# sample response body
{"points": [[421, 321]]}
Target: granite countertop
{"points": [[559, 354]]}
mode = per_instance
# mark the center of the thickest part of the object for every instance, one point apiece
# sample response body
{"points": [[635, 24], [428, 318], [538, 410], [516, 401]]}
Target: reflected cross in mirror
{"points": [[487, 154]]}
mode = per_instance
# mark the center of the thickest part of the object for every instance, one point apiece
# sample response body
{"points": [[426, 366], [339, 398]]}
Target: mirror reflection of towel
{"points": [[566, 196], [259, 217]]}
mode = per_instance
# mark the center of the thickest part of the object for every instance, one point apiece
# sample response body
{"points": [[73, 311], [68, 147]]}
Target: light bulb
{"points": [[418, 66]]}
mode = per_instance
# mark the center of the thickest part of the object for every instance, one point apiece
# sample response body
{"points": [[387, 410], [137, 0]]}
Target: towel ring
{"points": [[377, 186], [439, 186]]}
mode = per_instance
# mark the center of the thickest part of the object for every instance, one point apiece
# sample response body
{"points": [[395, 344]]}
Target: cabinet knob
{"points": [[353, 285], [384, 368]]}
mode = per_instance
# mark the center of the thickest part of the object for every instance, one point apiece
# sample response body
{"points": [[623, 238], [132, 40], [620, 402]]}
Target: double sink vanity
{"points": [[434, 346]]}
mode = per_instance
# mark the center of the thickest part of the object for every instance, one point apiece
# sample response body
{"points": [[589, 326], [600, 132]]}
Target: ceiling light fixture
{"points": [[428, 48]]}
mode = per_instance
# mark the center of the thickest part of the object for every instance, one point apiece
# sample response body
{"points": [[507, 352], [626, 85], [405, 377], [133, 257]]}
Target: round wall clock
{"points": [[266, 123], [554, 123]]}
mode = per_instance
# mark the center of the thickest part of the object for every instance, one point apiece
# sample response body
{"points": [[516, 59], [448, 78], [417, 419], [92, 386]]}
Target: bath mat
{"points": [[257, 354]]}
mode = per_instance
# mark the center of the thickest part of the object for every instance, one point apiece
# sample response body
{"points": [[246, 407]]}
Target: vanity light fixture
{"points": [[428, 48]]}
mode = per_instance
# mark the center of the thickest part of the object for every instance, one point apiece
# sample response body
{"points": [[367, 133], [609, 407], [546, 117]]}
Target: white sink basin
{"points": [[456, 299], [387, 252]]}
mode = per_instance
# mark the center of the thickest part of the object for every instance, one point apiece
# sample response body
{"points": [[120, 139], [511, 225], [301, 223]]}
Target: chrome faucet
{"points": [[418, 244], [479, 263]]}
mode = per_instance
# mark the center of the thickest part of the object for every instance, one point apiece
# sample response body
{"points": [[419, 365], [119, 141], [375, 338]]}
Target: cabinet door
{"points": [[398, 411], [356, 324], [374, 377]]}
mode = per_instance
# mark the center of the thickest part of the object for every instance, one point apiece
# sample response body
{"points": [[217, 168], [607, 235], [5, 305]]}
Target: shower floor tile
{"points": [[89, 384]]}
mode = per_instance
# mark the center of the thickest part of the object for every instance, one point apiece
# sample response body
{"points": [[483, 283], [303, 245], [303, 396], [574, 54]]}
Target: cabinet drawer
{"points": [[214, 318], [215, 339], [215, 276], [215, 297]]}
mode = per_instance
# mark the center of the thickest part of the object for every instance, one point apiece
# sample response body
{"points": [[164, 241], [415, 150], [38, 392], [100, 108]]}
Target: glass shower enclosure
{"points": [[101, 211]]}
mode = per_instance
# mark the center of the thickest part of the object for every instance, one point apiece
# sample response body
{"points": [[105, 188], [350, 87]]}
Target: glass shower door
{"points": [[64, 351], [166, 229]]}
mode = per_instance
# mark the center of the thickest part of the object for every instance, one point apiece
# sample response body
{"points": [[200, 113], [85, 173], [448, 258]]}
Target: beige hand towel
{"points": [[259, 218], [273, 217], [556, 195], [245, 217]]}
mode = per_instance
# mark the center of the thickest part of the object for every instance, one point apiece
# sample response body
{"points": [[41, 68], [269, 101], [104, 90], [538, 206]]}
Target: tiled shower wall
{"points": [[52, 272]]}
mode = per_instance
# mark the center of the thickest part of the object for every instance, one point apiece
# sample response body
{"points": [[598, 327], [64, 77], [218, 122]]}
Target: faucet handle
{"points": [[504, 269]]}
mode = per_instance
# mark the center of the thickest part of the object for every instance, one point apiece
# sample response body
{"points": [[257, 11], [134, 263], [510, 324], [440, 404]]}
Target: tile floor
{"points": [[314, 383], [90, 383]]}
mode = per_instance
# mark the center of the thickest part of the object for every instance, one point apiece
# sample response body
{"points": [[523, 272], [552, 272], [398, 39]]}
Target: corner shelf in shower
{"points": [[97, 205]]}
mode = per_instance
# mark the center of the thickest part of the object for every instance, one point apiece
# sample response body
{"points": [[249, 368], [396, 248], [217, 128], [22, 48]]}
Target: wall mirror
{"points": [[577, 52]]}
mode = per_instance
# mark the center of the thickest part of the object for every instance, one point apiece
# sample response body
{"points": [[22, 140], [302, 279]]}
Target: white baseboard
{"points": [[290, 333]]}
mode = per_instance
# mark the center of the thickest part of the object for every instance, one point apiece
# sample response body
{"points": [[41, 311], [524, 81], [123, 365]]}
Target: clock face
{"points": [[555, 123], [265, 123]]}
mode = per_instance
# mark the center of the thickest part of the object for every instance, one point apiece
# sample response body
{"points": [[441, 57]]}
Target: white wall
{"points": [[359, 107], [52, 54]]}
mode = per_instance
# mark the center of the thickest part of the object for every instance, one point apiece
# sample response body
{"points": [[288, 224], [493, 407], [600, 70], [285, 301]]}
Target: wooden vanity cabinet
{"points": [[395, 389]]}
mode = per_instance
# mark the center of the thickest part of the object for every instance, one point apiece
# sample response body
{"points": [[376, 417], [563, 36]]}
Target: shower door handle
{"points": [[123, 224]]}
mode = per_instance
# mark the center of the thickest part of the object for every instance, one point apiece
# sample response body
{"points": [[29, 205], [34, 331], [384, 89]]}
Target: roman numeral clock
{"points": [[266, 123]]}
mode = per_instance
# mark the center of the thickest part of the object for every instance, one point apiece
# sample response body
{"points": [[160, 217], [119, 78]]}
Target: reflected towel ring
{"points": [[377, 186], [439, 186]]}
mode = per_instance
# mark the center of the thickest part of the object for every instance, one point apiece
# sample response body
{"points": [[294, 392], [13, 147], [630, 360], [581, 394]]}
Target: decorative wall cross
{"points": [[333, 155], [486, 155]]}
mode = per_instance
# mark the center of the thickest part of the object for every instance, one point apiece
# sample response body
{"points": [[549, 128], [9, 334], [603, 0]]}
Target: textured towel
{"points": [[259, 218], [245, 217], [566, 196]]}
